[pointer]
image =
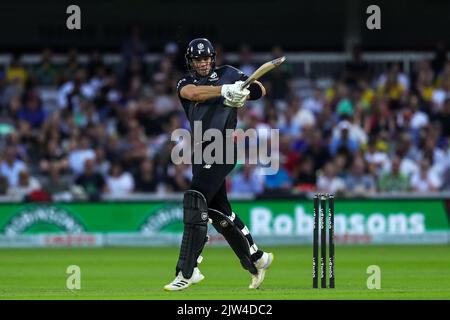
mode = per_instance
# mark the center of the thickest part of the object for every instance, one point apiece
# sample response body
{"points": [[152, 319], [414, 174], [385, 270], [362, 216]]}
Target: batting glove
{"points": [[233, 92], [235, 103]]}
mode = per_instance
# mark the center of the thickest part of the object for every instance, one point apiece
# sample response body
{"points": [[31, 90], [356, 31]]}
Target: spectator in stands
{"points": [[11, 166], [395, 71], [317, 150], [303, 117], [444, 74], [424, 180], [109, 98], [46, 73], [328, 181], [424, 86], [375, 156], [101, 163], [53, 155], [13, 108], [288, 157], [33, 112], [342, 163], [164, 102], [406, 146], [278, 182], [430, 151], [25, 185], [343, 140], [145, 180], [72, 64], [394, 180], [355, 133], [359, 182], [412, 118], [287, 125], [167, 68], [392, 91], [93, 183], [79, 153], [178, 180], [16, 73], [54, 183], [136, 85], [75, 89], [119, 183], [367, 97], [441, 93], [148, 118], [134, 146], [305, 175], [315, 103], [247, 180]]}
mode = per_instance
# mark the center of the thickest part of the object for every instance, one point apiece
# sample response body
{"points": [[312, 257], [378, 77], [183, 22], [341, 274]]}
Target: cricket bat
{"points": [[262, 70]]}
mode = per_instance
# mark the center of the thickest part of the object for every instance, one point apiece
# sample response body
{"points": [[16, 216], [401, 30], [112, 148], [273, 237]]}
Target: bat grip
{"points": [[247, 82]]}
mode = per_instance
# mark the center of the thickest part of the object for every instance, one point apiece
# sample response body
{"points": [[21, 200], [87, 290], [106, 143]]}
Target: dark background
{"points": [[321, 25]]}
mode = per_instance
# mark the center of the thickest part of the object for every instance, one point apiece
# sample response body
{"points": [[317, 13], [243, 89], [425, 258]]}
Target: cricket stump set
{"points": [[320, 209]]}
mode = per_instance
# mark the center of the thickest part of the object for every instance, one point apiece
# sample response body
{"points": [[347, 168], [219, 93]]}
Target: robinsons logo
{"points": [[29, 217]]}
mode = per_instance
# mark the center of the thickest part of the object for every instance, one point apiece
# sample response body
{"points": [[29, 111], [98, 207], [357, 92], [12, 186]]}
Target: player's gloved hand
{"points": [[233, 92], [236, 103], [239, 94]]}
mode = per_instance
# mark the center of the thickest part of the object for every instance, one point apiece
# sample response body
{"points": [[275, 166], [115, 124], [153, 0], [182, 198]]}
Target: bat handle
{"points": [[246, 84]]}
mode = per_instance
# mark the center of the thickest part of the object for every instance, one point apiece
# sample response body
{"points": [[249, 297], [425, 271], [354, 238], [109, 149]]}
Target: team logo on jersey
{"points": [[200, 46], [213, 77]]}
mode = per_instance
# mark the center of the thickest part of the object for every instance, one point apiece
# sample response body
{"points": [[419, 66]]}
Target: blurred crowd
{"points": [[106, 131]]}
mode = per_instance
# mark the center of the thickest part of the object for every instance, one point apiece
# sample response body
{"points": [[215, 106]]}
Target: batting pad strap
{"points": [[253, 249], [245, 231]]}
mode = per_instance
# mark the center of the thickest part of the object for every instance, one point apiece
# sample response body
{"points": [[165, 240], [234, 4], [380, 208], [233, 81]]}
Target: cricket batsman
{"points": [[212, 95]]}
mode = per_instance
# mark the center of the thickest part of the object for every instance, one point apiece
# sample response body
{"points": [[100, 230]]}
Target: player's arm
{"points": [[200, 93]]}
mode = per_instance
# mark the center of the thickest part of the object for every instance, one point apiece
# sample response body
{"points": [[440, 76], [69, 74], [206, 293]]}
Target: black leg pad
{"points": [[235, 238], [195, 218]]}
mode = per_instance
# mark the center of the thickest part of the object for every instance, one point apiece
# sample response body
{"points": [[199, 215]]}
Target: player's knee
{"points": [[195, 208]]}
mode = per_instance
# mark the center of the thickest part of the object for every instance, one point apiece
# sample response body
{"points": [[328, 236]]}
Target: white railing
{"points": [[303, 61]]}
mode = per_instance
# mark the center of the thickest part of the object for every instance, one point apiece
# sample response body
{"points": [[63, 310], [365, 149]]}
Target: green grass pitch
{"points": [[407, 272]]}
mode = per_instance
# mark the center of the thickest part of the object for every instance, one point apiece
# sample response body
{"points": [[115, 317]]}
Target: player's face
{"points": [[202, 65]]}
